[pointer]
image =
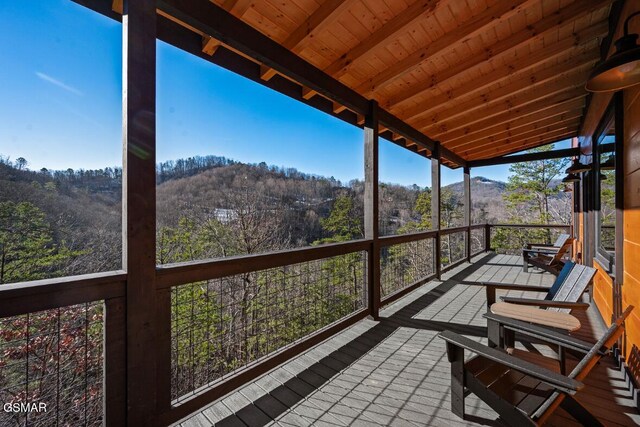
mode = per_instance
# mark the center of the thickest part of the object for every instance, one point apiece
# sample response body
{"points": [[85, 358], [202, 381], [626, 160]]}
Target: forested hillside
{"points": [[57, 223]]}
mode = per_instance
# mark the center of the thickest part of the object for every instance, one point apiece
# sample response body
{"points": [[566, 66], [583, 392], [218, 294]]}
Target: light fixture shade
{"points": [[567, 189], [571, 178], [609, 164], [577, 167], [619, 71]]}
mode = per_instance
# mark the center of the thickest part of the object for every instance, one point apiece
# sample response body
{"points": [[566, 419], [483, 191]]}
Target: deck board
{"points": [[395, 372]]}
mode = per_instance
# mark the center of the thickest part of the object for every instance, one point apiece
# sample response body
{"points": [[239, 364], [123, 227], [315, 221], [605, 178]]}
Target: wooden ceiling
{"points": [[484, 77]]}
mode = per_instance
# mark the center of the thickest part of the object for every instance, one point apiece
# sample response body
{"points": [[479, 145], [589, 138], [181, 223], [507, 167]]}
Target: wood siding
{"points": [[631, 247], [603, 292]]}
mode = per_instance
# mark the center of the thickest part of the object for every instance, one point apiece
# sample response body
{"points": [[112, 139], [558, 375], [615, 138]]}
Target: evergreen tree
{"points": [[27, 247]]}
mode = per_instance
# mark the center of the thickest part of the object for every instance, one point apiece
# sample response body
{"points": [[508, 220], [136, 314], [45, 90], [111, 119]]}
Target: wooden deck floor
{"points": [[395, 372]]}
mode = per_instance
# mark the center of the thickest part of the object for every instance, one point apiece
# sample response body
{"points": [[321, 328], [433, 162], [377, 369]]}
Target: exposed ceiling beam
{"points": [[520, 145], [573, 82], [501, 10], [520, 113], [584, 40], [117, 6], [210, 45], [527, 145], [527, 36], [532, 86], [548, 129], [237, 7], [316, 22], [382, 36], [564, 50], [558, 112], [541, 126], [527, 157]]}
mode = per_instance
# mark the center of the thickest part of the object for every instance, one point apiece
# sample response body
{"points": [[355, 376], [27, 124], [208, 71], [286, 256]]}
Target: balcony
{"points": [[352, 369], [395, 371]]}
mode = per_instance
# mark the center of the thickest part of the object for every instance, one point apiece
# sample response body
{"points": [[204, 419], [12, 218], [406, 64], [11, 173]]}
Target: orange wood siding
{"points": [[631, 231], [631, 247], [603, 292]]}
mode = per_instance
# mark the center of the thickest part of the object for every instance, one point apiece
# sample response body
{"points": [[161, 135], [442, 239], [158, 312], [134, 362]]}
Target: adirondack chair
{"points": [[548, 258], [521, 392], [562, 297], [563, 289]]}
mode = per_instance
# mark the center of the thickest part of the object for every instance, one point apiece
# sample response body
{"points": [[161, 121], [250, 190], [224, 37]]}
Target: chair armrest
{"points": [[541, 250], [548, 335], [560, 382], [508, 286], [546, 303]]}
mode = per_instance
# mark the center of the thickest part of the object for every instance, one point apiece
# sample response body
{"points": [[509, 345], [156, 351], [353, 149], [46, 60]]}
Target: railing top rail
{"points": [[405, 238], [503, 225], [451, 230], [28, 297], [169, 275]]}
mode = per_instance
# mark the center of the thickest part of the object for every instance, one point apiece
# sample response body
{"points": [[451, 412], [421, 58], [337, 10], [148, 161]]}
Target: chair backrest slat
{"points": [[562, 276], [560, 240], [574, 286]]}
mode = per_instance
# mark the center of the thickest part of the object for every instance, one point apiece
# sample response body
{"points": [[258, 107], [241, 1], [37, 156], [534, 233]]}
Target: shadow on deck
{"points": [[395, 371]]}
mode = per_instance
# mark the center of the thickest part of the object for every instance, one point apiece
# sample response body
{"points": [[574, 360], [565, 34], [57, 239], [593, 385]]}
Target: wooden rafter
{"points": [[319, 19], [568, 96], [558, 112], [210, 45], [388, 32], [575, 44], [517, 146], [527, 157], [518, 135], [237, 7], [502, 9], [527, 36], [542, 95], [514, 144], [518, 92]]}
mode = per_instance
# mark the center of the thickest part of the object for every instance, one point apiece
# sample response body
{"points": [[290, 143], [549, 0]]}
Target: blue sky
{"points": [[61, 86]]}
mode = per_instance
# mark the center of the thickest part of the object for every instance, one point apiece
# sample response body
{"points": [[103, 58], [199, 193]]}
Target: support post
{"points": [[620, 175], [139, 206], [435, 207], [371, 207], [467, 210], [487, 237]]}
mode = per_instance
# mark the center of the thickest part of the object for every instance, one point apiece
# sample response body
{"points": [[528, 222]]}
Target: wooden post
{"points": [[619, 196], [487, 237], [371, 207], [139, 206], [467, 210], [435, 206]]}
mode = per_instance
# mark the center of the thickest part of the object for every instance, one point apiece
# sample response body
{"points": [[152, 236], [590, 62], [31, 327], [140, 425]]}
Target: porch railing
{"points": [[221, 322]]}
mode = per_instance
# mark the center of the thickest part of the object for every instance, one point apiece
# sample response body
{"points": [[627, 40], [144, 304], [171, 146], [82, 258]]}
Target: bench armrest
{"points": [[560, 382], [546, 303]]}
